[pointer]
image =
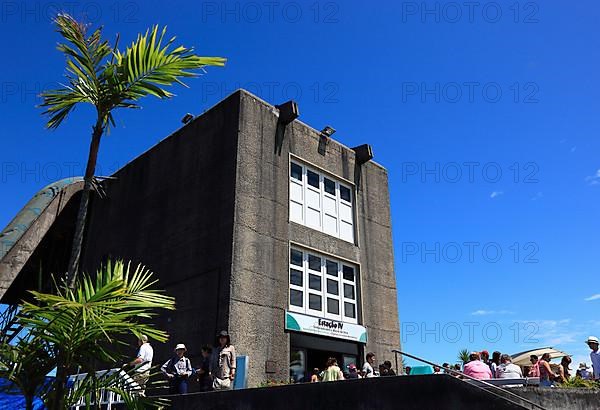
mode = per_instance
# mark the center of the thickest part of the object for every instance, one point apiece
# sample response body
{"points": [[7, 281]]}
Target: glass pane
{"points": [[295, 257], [314, 281], [332, 268], [297, 365], [329, 186], [296, 277], [314, 301], [313, 178], [332, 287], [350, 310], [348, 291], [348, 273], [345, 193], [296, 171], [296, 298], [314, 263], [333, 306]]}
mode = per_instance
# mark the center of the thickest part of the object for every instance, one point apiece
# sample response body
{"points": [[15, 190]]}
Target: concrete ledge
{"points": [[561, 398], [386, 393]]}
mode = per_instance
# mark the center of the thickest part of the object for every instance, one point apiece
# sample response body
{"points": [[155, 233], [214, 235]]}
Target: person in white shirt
{"points": [[508, 370], [143, 363], [592, 342], [368, 370]]}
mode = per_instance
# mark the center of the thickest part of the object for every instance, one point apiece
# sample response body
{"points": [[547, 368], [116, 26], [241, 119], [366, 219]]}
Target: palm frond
{"points": [[85, 55], [99, 310], [148, 65], [145, 68], [89, 387]]}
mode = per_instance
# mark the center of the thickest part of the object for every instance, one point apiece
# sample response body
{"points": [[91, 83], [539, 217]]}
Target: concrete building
{"points": [[254, 222]]}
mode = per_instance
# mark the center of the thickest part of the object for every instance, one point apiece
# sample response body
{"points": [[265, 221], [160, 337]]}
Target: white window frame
{"points": [[323, 293], [307, 190]]}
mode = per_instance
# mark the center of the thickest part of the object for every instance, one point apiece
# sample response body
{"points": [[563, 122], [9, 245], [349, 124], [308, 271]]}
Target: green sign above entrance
{"points": [[325, 327]]}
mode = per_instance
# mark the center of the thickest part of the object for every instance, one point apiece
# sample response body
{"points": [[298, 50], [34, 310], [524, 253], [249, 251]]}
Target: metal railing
{"points": [[9, 324], [489, 387], [105, 398]]}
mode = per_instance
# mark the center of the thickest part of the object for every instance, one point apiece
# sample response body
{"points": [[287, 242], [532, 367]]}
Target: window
{"points": [[321, 202], [345, 194], [329, 186], [313, 179], [296, 172], [314, 282], [296, 298], [348, 273], [296, 277], [322, 286], [332, 287], [333, 306], [314, 302]]}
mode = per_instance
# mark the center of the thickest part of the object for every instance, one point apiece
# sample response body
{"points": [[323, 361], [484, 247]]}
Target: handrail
{"points": [[522, 399]]}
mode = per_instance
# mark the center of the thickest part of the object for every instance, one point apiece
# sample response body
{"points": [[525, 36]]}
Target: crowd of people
{"points": [[332, 371], [218, 366], [500, 366], [216, 370]]}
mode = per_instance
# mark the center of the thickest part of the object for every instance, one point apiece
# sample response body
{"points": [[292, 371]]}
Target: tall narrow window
{"points": [[321, 202]]}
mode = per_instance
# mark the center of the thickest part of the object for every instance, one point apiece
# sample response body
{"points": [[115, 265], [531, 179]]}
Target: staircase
{"points": [[9, 324]]}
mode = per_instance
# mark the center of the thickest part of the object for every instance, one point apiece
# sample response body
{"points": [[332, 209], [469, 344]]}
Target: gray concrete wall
{"points": [[171, 209], [561, 399], [385, 393], [262, 233]]}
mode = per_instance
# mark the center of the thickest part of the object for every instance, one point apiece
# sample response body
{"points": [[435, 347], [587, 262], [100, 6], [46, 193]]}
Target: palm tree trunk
{"points": [[28, 401], [83, 204], [57, 400]]}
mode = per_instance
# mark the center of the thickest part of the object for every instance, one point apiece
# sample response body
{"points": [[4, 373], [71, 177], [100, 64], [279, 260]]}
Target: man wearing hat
{"points": [[583, 372], [592, 342], [223, 362], [178, 369]]}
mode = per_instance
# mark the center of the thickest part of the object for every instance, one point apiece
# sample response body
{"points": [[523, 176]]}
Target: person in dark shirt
{"points": [[203, 372], [352, 373], [388, 365]]}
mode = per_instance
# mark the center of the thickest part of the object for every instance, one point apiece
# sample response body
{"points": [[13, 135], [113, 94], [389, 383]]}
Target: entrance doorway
{"points": [[312, 352]]}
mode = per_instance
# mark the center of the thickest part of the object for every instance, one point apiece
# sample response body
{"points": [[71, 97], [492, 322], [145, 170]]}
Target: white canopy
{"points": [[522, 358]]}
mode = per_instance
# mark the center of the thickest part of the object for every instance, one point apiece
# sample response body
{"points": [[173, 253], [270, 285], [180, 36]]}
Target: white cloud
{"points": [[498, 193], [593, 179], [483, 312], [550, 332], [593, 297]]}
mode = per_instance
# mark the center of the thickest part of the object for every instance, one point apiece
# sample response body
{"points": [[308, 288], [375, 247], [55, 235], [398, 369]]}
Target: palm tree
{"points": [[25, 365], [143, 69], [83, 326], [463, 356]]}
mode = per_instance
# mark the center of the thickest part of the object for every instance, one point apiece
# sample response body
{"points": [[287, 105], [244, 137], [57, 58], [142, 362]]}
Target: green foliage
{"points": [[578, 382], [144, 68], [75, 329], [463, 356]]}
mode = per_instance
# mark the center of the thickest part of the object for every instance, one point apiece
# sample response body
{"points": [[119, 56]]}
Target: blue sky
{"points": [[485, 117]]}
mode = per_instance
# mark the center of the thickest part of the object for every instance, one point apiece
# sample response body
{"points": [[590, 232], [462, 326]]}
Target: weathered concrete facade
{"points": [[207, 210], [262, 235]]}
